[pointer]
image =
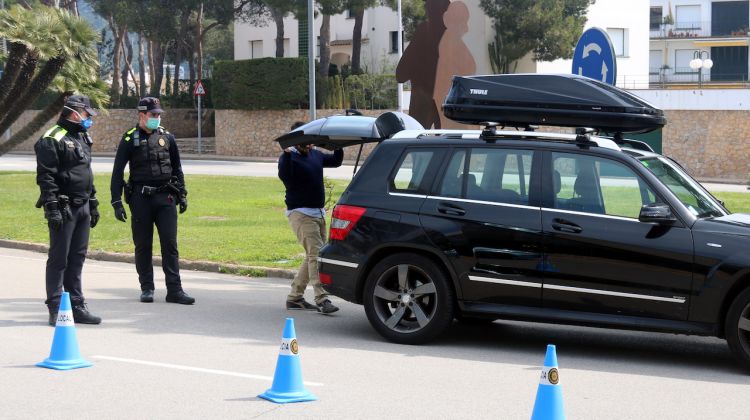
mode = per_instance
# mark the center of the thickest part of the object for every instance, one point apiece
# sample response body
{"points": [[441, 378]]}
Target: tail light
{"points": [[325, 278], [343, 220]]}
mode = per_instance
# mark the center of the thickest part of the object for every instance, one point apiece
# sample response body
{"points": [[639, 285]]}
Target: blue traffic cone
{"points": [[287, 380], [64, 354], [549, 400]]}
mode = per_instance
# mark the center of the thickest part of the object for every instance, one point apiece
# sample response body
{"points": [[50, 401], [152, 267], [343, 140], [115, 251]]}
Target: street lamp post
{"points": [[699, 62]]}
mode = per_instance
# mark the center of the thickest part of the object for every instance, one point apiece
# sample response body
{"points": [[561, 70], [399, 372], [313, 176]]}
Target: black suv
{"points": [[525, 225]]}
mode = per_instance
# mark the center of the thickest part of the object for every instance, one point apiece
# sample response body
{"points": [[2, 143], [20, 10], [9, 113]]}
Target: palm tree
{"points": [[52, 35], [75, 77], [73, 38]]}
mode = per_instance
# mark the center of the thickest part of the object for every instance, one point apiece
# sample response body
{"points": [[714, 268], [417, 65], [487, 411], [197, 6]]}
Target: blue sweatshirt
{"points": [[303, 177]]}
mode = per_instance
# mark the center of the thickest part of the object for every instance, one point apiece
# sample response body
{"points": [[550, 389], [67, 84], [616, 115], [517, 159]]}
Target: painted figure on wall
{"points": [[419, 64], [454, 57]]}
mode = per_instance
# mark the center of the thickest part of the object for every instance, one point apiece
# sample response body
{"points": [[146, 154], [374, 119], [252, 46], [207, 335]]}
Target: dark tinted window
{"points": [[411, 171], [489, 174]]}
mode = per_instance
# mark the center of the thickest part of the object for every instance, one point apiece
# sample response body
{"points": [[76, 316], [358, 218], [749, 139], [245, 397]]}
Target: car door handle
{"points": [[451, 209], [566, 226]]}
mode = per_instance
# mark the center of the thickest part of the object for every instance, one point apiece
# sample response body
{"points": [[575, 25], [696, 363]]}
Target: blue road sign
{"points": [[594, 56]]}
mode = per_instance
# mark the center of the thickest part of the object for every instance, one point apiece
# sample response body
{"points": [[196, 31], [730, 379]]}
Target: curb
{"points": [[210, 266]]}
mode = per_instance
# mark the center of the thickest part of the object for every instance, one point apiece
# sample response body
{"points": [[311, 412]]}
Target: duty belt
{"points": [[78, 202], [148, 190]]}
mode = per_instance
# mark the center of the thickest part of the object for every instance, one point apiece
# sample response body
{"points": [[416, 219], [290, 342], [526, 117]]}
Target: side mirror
{"points": [[656, 213]]}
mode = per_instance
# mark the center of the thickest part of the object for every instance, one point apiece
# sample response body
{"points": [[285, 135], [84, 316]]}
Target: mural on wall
{"points": [[421, 62], [454, 57]]}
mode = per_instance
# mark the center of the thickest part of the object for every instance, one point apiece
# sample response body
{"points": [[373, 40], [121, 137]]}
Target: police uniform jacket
{"points": [[153, 159], [63, 163]]}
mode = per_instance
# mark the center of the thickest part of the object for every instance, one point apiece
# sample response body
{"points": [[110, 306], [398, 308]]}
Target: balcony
{"points": [[687, 30], [687, 77]]}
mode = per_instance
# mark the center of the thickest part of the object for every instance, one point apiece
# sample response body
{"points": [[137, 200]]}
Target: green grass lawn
{"points": [[237, 220]]}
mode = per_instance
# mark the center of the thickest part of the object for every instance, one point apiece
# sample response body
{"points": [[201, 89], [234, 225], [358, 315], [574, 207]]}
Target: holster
{"points": [[64, 205], [128, 192]]}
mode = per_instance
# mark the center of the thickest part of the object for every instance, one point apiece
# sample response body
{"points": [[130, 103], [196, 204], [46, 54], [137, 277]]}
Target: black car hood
{"points": [[733, 224]]}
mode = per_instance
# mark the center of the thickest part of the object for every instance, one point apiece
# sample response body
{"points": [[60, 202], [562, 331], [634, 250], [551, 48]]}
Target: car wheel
{"points": [[737, 327], [408, 299]]}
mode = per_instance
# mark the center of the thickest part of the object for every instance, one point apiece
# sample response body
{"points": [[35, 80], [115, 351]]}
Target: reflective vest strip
{"points": [[56, 133]]}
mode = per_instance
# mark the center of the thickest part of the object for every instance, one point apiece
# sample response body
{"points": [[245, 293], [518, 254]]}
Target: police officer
{"points": [[63, 173], [156, 186]]}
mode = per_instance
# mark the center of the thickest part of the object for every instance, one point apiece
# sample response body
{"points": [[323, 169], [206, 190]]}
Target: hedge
{"points": [[261, 83]]}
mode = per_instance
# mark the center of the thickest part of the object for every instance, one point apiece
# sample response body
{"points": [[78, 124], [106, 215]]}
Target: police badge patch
{"points": [[162, 142]]}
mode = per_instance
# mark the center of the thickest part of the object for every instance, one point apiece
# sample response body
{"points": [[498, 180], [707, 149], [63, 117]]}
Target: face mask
{"points": [[153, 123], [85, 123]]}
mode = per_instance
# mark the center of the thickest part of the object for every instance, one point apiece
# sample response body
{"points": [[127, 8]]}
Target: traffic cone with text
{"points": [[64, 354], [549, 400], [287, 380]]}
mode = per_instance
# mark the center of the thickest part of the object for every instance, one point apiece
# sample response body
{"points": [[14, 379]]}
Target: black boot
{"points": [[180, 297], [147, 296], [81, 315], [52, 315]]}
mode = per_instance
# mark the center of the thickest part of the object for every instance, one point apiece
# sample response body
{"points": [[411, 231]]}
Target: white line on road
{"points": [[195, 369], [23, 258]]}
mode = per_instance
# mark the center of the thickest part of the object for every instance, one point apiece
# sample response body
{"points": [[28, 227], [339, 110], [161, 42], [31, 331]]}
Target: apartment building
{"points": [[713, 36]]}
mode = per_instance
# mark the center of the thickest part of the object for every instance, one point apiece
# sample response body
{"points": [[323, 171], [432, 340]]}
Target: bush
{"points": [[371, 91], [263, 83]]}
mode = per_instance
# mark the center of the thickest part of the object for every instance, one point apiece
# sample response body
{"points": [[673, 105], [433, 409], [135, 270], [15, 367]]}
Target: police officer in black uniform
{"points": [[63, 173], [155, 188]]}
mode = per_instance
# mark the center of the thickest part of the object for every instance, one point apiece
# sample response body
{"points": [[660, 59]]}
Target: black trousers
{"points": [[67, 252], [146, 211]]}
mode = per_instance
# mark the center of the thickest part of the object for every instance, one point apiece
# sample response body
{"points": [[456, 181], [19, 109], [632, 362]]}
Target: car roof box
{"points": [[565, 100], [349, 130]]}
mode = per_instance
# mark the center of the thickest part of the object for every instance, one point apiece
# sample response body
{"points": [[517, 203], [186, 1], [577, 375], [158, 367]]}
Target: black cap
{"points": [[80, 101], [150, 104]]}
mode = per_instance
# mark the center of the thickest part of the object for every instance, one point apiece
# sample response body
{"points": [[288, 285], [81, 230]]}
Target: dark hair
{"points": [[298, 124]]}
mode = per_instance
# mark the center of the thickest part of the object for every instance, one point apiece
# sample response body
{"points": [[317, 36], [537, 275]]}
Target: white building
{"points": [[625, 21], [683, 30]]}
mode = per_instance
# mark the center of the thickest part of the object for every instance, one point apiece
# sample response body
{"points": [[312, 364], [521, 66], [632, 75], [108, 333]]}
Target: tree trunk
{"points": [[278, 17], [158, 65], [181, 46], [141, 66], [151, 67], [17, 53], [25, 75], [41, 119], [117, 33], [199, 45], [127, 55], [37, 86], [191, 66], [325, 58], [359, 17]]}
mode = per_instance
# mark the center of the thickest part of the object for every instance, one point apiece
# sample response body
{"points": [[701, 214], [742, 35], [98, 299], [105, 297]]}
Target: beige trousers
{"points": [[311, 234]]}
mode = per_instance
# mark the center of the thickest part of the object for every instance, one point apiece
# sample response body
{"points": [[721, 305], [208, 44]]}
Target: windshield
{"points": [[697, 200]]}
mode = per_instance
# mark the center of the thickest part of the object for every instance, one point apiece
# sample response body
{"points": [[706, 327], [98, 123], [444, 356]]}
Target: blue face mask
{"points": [[87, 123], [153, 123]]}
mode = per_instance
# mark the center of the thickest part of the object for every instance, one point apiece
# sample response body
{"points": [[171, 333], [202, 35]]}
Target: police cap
{"points": [[81, 102], [150, 104]]}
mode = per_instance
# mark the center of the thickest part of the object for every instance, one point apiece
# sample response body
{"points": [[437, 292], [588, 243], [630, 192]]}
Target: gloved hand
{"points": [[183, 203], [53, 215], [120, 213], [93, 209]]}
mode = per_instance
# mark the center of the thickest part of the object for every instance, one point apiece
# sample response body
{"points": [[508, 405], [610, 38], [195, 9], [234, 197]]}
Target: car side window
{"points": [[499, 175], [411, 170], [451, 184], [598, 185]]}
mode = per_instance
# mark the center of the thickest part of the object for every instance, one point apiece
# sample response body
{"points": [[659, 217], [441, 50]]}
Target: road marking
{"points": [[195, 369], [23, 258]]}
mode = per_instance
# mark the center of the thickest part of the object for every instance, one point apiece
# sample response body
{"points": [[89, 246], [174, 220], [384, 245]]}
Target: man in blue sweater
{"points": [[301, 171]]}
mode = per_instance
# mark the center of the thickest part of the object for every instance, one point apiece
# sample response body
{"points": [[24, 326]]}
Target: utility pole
{"points": [[311, 56], [400, 41]]}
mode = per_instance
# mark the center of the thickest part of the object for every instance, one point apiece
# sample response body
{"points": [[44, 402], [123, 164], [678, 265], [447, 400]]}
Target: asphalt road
{"points": [[25, 162], [211, 360]]}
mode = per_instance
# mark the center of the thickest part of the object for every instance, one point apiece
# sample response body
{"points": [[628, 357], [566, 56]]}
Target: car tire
{"points": [[408, 299], [737, 328]]}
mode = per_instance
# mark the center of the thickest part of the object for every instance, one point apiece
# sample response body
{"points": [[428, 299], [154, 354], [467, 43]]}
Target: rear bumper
{"points": [[343, 275]]}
